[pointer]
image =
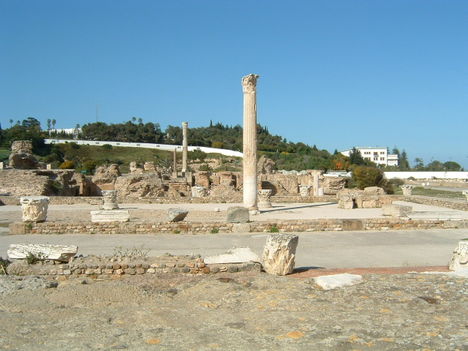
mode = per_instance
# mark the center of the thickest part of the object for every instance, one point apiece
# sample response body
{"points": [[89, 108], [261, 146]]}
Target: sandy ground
{"points": [[242, 311]]}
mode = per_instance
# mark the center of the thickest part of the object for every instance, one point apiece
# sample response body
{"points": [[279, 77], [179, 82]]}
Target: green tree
{"points": [[418, 163], [403, 163], [452, 166], [364, 176], [355, 157]]}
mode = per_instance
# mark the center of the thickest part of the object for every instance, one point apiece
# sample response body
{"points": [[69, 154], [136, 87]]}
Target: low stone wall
{"points": [[434, 201], [101, 267], [223, 227], [97, 200]]}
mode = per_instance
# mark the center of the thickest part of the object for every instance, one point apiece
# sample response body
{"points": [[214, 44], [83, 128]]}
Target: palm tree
{"points": [[11, 122]]}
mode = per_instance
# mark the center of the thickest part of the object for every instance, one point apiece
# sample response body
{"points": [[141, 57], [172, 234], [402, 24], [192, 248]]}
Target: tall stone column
{"points": [[184, 147], [249, 84], [174, 163]]}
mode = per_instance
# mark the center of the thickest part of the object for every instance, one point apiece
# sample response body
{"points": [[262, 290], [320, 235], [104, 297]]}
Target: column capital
{"points": [[249, 83]]}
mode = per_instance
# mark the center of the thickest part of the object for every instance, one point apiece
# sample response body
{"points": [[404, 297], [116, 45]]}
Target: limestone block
{"points": [[42, 251], [237, 214], [110, 216], [374, 190], [328, 282], [237, 255], [176, 214], [396, 210], [34, 208], [198, 191], [459, 260], [279, 254]]}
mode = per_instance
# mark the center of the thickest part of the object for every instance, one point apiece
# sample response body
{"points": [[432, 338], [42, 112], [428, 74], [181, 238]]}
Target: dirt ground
{"points": [[239, 311]]}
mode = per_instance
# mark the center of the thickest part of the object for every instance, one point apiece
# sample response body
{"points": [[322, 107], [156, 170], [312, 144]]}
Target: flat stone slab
{"points": [[110, 216], [237, 255], [42, 251], [237, 214], [176, 214], [328, 282]]}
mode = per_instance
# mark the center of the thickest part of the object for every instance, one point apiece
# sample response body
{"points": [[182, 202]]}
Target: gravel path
{"points": [[234, 312]]}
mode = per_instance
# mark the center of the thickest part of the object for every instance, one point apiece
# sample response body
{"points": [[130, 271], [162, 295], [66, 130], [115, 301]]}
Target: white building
{"points": [[378, 155]]}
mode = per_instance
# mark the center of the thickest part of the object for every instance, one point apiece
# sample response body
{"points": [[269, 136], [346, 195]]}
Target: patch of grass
{"points": [[434, 193], [214, 231], [176, 231], [32, 258], [4, 153], [274, 229]]}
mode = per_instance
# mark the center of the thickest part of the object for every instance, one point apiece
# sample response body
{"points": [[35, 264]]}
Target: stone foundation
{"points": [[223, 227]]}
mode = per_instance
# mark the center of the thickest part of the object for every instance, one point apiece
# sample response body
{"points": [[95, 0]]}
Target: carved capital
{"points": [[249, 83]]}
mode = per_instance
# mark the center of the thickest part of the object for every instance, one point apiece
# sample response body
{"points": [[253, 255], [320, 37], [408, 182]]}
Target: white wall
{"points": [[427, 175], [165, 147]]}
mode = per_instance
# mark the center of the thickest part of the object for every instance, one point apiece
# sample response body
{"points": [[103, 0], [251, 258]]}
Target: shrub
{"points": [[107, 147], [3, 265], [32, 259], [67, 165], [89, 166], [214, 231], [364, 176]]}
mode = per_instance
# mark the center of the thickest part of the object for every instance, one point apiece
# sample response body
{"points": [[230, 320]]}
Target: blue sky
{"points": [[332, 73]]}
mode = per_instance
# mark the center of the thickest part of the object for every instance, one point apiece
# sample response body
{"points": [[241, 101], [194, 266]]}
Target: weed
{"points": [[274, 229], [3, 265], [176, 231], [28, 226], [32, 258], [214, 231]]}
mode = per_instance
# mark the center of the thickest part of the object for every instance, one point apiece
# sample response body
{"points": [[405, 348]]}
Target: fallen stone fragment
{"points": [[237, 214], [237, 255], [34, 208], [42, 251], [328, 282], [176, 214], [110, 216], [279, 254]]}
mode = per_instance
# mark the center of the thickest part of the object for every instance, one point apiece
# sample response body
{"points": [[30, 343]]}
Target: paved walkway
{"points": [[317, 249]]}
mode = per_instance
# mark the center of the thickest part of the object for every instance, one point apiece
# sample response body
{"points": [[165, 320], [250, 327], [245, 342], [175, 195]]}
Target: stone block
{"points": [[237, 255], [328, 282], [237, 214], [279, 254], [394, 210], [42, 251], [176, 214], [241, 228], [110, 216]]}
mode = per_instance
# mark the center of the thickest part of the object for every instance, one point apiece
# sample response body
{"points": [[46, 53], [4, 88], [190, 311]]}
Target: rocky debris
{"points": [[105, 176], [199, 191], [176, 214], [110, 216], [34, 208], [134, 169], [137, 185], [236, 255], [21, 156], [395, 210], [229, 193], [149, 166], [279, 254], [11, 283], [265, 165], [459, 259], [329, 282], [61, 253], [237, 214]]}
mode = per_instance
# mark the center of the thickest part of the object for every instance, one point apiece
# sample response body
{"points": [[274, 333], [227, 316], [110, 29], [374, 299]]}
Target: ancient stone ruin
{"points": [[21, 156]]}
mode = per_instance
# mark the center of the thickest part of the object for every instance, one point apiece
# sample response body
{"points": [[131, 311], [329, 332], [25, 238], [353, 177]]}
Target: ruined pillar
{"points": [[184, 146], [249, 83], [174, 163]]}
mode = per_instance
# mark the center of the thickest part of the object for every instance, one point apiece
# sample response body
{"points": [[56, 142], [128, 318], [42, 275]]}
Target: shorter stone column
{"points": [[407, 189], [459, 260], [198, 191], [49, 166], [34, 208], [304, 190], [264, 198], [465, 192], [279, 254], [109, 200]]}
